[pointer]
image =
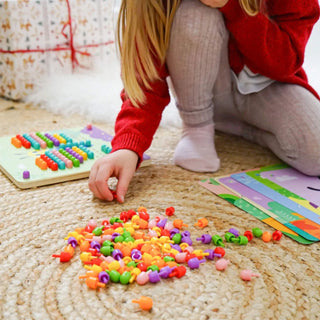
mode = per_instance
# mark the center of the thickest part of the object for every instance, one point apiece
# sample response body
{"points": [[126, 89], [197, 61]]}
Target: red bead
{"points": [[64, 256], [249, 235], [219, 250], [88, 228], [165, 233], [170, 211], [277, 235], [124, 216], [144, 215], [142, 266]]}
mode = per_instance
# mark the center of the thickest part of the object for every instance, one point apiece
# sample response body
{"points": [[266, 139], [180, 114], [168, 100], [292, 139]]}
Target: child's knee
{"points": [[194, 20]]}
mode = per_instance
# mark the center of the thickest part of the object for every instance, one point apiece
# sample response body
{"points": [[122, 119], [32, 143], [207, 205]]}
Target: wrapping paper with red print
{"points": [[40, 37]]}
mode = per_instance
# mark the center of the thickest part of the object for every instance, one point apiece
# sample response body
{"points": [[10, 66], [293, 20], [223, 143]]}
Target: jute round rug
{"points": [[34, 222]]}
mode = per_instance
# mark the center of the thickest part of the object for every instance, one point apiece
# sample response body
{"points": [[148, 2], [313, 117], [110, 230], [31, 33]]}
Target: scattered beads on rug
{"points": [[134, 248]]}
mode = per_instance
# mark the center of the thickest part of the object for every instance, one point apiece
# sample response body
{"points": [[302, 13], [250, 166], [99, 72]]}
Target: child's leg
{"points": [[286, 118], [193, 59]]}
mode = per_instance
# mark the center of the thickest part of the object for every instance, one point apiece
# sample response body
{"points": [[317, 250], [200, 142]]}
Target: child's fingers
{"points": [[98, 182], [123, 183]]}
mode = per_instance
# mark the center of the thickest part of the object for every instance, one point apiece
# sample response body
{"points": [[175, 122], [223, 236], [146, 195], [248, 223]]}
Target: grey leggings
{"points": [[282, 117]]}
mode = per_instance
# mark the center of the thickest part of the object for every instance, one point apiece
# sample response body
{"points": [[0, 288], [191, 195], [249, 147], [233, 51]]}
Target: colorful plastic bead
{"points": [[217, 241], [276, 235], [234, 231], [170, 211], [247, 275], [257, 232], [145, 303], [201, 223], [266, 236], [222, 264], [249, 235]]}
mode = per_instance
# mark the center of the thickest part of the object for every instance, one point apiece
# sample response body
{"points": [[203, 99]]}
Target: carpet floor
{"points": [[34, 223]]}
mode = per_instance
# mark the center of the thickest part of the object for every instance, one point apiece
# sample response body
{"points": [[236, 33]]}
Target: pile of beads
{"points": [[135, 248]]}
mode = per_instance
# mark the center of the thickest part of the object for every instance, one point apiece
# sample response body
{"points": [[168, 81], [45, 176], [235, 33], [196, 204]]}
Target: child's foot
{"points": [[196, 151]]}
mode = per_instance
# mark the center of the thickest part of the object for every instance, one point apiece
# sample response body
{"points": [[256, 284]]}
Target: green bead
{"points": [[118, 239], [168, 258], [98, 231], [257, 232], [107, 243], [115, 219], [125, 277], [126, 234], [106, 250], [243, 240], [114, 276], [129, 239], [217, 241], [131, 264], [229, 237], [177, 238], [153, 268]]}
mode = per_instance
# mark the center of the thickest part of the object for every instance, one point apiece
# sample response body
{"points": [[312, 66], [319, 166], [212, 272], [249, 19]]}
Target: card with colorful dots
{"points": [[41, 158]]}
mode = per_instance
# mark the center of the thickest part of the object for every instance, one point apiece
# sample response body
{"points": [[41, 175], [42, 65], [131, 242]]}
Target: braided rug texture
{"points": [[34, 222]]}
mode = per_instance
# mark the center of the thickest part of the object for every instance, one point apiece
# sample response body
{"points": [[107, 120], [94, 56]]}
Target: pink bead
{"points": [[152, 223], [142, 278], [181, 257], [97, 238], [152, 233], [169, 226], [107, 237], [222, 264], [92, 223], [247, 275], [189, 249]]}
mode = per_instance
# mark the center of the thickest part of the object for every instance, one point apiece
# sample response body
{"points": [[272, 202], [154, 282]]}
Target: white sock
{"points": [[196, 150]]}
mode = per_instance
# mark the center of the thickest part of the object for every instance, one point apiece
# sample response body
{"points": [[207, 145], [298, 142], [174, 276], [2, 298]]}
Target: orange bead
{"points": [[138, 235], [266, 236], [143, 224], [178, 223], [203, 222], [93, 283], [145, 303], [84, 246], [69, 249]]}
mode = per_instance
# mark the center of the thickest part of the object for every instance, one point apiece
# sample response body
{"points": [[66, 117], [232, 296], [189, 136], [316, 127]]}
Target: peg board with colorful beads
{"points": [[42, 158]]}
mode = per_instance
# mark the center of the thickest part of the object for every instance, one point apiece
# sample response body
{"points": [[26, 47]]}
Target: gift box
{"points": [[43, 37]]}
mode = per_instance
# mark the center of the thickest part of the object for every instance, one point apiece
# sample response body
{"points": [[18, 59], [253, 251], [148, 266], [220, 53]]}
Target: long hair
{"points": [[143, 34], [251, 7]]}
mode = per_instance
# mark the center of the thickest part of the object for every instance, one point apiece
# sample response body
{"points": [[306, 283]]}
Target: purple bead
{"points": [[154, 276], [205, 238], [235, 232], [164, 272], [26, 174], [72, 241], [186, 233], [173, 232], [193, 263], [117, 254], [136, 254], [114, 235], [95, 245], [176, 247], [162, 223], [103, 277], [186, 240], [212, 254]]}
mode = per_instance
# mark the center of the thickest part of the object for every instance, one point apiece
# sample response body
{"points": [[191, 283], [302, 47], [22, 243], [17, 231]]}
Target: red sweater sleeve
{"points": [[272, 44], [135, 127]]}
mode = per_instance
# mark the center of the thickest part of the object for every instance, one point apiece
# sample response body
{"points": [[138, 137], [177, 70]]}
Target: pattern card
{"points": [[304, 227], [221, 191], [254, 184]]}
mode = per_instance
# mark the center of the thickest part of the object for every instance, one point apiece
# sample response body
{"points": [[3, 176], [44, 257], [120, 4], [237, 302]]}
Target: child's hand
{"points": [[215, 3], [120, 164]]}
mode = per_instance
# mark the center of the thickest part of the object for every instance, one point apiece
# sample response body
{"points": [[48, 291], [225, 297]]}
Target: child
{"points": [[235, 66]]}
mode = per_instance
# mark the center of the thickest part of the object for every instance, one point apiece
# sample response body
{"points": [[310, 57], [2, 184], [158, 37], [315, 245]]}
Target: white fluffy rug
{"points": [[95, 93]]}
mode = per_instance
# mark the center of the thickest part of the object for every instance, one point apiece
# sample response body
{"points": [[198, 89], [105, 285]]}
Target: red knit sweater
{"points": [[272, 44]]}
